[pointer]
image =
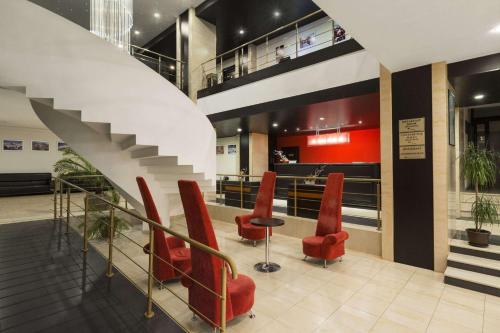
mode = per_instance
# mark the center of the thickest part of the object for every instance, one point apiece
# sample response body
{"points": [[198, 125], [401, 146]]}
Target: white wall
{"points": [[28, 160], [229, 164], [336, 72]]}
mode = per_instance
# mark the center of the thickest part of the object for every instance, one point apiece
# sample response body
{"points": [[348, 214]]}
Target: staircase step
{"points": [[474, 264], [176, 177], [463, 247], [484, 283], [145, 152], [175, 170], [120, 138], [159, 161]]}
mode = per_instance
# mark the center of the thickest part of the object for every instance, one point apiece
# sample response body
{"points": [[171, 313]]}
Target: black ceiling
{"points": [[487, 84], [344, 112], [76, 11], [255, 17]]}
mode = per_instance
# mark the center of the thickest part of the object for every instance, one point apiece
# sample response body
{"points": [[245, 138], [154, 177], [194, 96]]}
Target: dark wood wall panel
{"points": [[413, 192], [245, 152]]}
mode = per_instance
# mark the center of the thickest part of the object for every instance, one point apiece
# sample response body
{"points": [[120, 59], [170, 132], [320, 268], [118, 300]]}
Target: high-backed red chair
{"points": [[171, 249], [263, 208], [328, 243], [206, 268]]}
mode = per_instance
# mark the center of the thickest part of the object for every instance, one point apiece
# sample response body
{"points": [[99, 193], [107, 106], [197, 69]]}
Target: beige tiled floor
{"points": [[362, 293]]}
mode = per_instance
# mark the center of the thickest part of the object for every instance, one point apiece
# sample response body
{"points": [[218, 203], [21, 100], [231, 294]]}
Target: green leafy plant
{"points": [[479, 167]]}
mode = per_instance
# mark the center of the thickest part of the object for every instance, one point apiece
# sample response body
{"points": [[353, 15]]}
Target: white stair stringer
{"points": [[116, 112]]}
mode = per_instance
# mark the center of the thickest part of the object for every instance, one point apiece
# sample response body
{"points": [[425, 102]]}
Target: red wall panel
{"points": [[364, 146]]}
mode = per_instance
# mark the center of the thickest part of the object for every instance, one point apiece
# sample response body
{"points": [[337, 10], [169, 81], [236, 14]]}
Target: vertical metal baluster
{"points": [[267, 50], [221, 71], [149, 309], [159, 65], [241, 61], [220, 194], [56, 184], [379, 221], [241, 191], [85, 220], [223, 297], [296, 40], [295, 195], [111, 229], [68, 208], [60, 199]]}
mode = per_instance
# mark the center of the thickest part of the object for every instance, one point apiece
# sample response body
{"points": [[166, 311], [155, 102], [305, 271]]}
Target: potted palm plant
{"points": [[480, 170]]}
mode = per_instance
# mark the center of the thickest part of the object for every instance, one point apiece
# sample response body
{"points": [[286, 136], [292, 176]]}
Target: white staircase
{"points": [[123, 117], [474, 268]]}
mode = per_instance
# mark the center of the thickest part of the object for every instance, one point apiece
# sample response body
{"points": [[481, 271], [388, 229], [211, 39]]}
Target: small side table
{"points": [[267, 222]]}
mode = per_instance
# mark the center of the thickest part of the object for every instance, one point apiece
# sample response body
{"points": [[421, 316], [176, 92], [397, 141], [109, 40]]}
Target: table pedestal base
{"points": [[267, 267]]}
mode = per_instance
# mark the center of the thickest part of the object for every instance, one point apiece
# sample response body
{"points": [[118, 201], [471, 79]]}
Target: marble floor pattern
{"points": [[362, 293]]}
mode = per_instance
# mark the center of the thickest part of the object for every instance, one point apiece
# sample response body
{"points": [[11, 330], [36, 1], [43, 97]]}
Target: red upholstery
{"points": [[263, 208], [170, 249], [207, 268], [328, 243]]}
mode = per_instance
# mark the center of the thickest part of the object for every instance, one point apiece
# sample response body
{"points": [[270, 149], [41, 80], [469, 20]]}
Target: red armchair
{"points": [[206, 268], [328, 243], [171, 249], [263, 208]]}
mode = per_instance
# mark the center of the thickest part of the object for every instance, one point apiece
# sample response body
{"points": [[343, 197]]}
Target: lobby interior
{"points": [[293, 174]]}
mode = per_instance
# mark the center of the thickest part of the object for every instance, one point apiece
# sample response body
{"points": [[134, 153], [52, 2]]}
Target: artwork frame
{"points": [[231, 149], [219, 150], [451, 118], [14, 145], [308, 41], [40, 145], [61, 145]]}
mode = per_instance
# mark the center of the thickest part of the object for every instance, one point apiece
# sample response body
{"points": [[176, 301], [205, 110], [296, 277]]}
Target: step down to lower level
{"points": [[474, 264], [484, 283], [460, 246]]}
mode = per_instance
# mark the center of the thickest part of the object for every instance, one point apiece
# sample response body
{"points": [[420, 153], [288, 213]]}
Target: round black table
{"points": [[267, 222]]}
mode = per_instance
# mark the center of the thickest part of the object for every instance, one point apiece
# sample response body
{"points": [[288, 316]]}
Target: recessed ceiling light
{"points": [[239, 129], [298, 129], [285, 130], [172, 67], [275, 124], [137, 32], [277, 13], [478, 96], [321, 118], [157, 15], [241, 32], [360, 122], [495, 30]]}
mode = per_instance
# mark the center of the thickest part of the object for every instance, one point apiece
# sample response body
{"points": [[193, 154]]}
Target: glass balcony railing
{"points": [[288, 42]]}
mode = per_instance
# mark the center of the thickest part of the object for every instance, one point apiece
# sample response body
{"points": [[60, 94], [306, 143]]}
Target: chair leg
{"points": [[341, 258], [305, 258], [254, 243], [324, 263], [194, 316], [252, 315]]}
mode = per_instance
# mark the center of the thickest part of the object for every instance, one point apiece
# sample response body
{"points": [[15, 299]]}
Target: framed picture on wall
{"points": [[307, 41], [219, 150], [62, 145], [39, 145], [12, 145], [231, 149], [451, 118]]}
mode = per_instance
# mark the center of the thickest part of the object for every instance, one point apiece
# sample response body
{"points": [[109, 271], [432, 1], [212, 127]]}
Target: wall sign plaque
{"points": [[412, 139]]}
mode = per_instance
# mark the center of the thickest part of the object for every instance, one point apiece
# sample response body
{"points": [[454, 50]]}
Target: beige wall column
{"points": [[386, 163], [440, 163], [202, 47], [258, 154]]}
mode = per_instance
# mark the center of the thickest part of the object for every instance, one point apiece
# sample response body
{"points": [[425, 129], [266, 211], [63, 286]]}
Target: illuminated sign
{"points": [[328, 139]]}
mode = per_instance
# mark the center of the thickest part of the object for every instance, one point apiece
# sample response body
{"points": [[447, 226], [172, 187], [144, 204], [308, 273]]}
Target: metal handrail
{"points": [[265, 35], [157, 54], [58, 188], [350, 179]]}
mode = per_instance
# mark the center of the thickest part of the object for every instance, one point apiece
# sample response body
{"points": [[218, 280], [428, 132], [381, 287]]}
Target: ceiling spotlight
{"points": [[321, 118], [172, 67], [275, 124], [277, 13], [241, 32], [239, 129], [360, 122], [156, 15], [495, 30], [479, 96], [298, 129], [137, 32], [285, 130]]}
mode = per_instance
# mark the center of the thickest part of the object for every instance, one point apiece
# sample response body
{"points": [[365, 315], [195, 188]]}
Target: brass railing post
{"points": [[295, 195], [149, 309], [68, 207], [85, 220], [223, 297], [111, 229], [60, 199], [56, 184], [297, 40], [379, 221], [241, 191]]}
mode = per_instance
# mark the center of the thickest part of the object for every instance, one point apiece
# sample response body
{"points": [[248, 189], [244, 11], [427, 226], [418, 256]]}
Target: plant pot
{"points": [[479, 238]]}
